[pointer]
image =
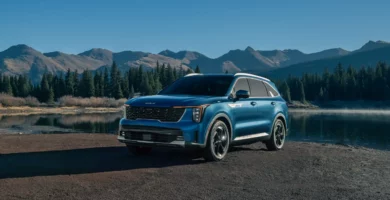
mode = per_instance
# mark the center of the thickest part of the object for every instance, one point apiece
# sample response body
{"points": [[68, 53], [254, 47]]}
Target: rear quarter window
{"points": [[257, 88], [271, 91]]}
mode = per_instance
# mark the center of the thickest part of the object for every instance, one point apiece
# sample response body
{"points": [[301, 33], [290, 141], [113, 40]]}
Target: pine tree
{"points": [[197, 70], [107, 90], [169, 76], [76, 83], [321, 95], [87, 88], [69, 83], [131, 95], [152, 83], [14, 86], [50, 96], [7, 86], [175, 76], [125, 85], [226, 72], [61, 86], [117, 93], [23, 86], [285, 91], [145, 87], [44, 93], [98, 85], [137, 83], [162, 75], [302, 96], [157, 86]]}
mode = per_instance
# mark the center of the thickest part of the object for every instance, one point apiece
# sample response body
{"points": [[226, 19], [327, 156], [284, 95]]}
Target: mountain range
{"points": [[22, 59]]}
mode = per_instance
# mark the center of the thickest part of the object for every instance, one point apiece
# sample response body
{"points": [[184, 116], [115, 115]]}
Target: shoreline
{"points": [[343, 105], [26, 110], [49, 166], [357, 107]]}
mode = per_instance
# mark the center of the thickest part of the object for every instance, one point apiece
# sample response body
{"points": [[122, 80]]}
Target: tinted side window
{"points": [[271, 91], [257, 88], [241, 84]]}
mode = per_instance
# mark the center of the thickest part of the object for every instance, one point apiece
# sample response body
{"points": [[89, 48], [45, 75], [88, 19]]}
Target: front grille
{"points": [[145, 136], [162, 114]]}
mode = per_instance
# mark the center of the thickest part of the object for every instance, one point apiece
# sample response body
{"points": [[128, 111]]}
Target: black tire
{"points": [[278, 136], [217, 142], [138, 150]]}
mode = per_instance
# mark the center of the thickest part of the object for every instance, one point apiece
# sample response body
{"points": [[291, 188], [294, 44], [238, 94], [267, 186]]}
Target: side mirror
{"points": [[242, 94]]}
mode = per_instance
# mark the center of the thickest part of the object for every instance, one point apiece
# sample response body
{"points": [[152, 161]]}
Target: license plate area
{"points": [[150, 137]]}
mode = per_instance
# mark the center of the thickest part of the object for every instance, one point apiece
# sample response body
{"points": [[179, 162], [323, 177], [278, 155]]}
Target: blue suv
{"points": [[208, 111]]}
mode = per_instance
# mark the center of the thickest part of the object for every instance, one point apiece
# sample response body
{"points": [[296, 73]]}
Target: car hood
{"points": [[172, 100]]}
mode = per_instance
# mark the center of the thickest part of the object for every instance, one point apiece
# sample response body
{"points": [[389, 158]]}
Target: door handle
{"points": [[253, 103], [273, 103]]}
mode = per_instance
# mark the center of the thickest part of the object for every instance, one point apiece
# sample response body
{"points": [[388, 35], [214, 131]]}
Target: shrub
{"points": [[32, 101], [90, 102], [7, 100]]}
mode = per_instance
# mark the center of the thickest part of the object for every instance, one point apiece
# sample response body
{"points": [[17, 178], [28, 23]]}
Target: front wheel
{"points": [[217, 142], [278, 136], [138, 150]]}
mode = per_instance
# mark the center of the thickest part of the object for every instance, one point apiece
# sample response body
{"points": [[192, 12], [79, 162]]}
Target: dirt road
{"points": [[96, 166]]}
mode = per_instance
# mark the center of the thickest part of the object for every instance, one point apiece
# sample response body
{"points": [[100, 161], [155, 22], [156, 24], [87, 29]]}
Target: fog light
{"points": [[179, 138], [122, 133]]}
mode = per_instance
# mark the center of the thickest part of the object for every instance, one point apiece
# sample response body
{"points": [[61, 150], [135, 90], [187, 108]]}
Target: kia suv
{"points": [[207, 111]]}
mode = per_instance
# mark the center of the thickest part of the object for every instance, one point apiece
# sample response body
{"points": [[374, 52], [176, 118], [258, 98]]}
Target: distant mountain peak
{"points": [[166, 51], [249, 49], [381, 41], [99, 54], [371, 45], [53, 54], [20, 47]]}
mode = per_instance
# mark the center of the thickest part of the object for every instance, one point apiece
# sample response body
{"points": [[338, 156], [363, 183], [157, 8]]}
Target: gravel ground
{"points": [[96, 166]]}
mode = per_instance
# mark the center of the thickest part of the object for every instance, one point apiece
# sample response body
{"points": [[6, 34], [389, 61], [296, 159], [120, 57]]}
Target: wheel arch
{"points": [[281, 117], [223, 117]]}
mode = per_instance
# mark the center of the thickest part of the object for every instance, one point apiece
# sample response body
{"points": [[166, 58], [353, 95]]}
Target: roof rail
{"points": [[193, 74], [252, 75]]}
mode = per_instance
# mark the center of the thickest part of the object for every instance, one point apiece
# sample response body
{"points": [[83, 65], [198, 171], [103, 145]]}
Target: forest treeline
{"points": [[366, 83], [107, 83]]}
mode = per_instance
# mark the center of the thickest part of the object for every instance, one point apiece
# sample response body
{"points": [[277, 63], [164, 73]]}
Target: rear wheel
{"points": [[138, 150], [217, 142], [278, 136]]}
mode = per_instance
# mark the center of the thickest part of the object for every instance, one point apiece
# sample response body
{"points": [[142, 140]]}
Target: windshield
{"points": [[200, 85]]}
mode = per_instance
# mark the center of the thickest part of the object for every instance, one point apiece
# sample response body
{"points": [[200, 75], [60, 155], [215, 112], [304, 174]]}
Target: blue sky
{"points": [[211, 27]]}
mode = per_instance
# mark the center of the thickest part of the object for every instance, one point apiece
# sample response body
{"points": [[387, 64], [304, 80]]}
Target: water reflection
{"points": [[348, 128], [351, 129], [91, 123]]}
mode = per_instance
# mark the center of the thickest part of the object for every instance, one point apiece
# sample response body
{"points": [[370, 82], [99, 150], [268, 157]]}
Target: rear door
{"points": [[265, 108], [244, 110]]}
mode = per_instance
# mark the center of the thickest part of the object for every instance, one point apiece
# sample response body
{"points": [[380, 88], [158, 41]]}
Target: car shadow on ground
{"points": [[243, 148], [89, 160]]}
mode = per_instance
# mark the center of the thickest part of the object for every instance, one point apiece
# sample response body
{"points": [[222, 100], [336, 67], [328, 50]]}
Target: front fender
{"points": [[212, 113]]}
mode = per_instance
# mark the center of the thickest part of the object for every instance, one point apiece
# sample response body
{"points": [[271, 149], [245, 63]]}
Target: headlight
{"points": [[197, 113], [125, 110]]}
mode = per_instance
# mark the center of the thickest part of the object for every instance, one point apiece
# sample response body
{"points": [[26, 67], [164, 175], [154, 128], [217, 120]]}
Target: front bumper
{"points": [[174, 144], [141, 133]]}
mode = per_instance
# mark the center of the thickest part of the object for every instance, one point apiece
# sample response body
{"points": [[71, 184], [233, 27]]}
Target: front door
{"points": [[244, 111]]}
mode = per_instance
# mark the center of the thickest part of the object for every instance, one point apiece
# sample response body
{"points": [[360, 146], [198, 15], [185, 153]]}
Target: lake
{"points": [[350, 128]]}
